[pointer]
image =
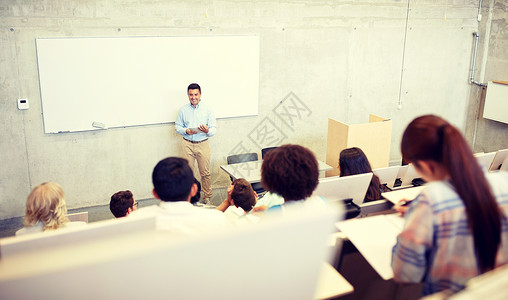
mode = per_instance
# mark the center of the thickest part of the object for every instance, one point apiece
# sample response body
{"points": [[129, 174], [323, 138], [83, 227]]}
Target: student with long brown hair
{"points": [[456, 228], [353, 161]]}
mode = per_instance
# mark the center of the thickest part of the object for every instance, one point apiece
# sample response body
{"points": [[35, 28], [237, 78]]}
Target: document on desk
{"points": [[374, 237], [408, 194]]}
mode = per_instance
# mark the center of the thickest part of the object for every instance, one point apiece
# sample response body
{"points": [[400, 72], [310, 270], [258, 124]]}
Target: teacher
{"points": [[196, 123]]}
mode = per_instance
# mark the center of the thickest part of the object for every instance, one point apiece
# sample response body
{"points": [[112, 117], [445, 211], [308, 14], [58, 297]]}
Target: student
{"points": [[122, 204], [46, 209], [269, 200], [353, 161], [456, 228], [195, 199], [240, 200], [292, 172], [174, 185]]}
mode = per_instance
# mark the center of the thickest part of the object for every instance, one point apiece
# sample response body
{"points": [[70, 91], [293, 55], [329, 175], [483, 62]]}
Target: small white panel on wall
{"points": [[128, 81], [496, 102]]}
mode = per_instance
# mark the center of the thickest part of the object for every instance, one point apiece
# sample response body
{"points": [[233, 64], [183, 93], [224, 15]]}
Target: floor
{"points": [[8, 227]]}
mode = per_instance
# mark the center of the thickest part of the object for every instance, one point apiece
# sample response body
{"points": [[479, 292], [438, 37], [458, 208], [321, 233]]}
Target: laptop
{"points": [[485, 159], [407, 179], [387, 175], [338, 188], [499, 158], [504, 166], [400, 174]]}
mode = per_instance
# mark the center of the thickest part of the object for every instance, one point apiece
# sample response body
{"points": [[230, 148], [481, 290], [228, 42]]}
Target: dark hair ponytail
{"points": [[432, 138]]}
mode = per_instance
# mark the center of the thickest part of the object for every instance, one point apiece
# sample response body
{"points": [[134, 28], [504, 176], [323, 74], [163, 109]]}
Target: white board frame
{"points": [[129, 81]]}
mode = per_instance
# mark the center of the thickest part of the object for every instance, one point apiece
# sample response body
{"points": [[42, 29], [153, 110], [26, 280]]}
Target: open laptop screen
{"points": [[339, 188]]}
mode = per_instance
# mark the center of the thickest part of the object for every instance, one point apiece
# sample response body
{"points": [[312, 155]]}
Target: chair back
{"points": [[78, 217], [266, 150], [244, 157]]}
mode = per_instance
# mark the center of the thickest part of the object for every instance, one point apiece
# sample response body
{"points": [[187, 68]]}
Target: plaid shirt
{"points": [[436, 246]]}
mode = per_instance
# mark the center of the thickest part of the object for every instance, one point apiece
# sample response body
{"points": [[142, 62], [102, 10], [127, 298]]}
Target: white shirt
{"points": [[270, 199], [39, 227], [232, 213], [181, 217]]}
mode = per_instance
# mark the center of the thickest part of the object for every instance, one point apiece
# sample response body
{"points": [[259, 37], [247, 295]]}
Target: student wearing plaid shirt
{"points": [[457, 228]]}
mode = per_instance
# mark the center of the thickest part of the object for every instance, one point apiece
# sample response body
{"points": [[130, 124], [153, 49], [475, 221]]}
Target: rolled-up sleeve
{"points": [[410, 255]]}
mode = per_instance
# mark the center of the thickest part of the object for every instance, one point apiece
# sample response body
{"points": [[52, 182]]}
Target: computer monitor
{"points": [[387, 175], [338, 188], [499, 158], [485, 159]]}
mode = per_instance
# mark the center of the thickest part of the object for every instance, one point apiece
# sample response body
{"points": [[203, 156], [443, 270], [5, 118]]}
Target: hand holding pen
{"points": [[402, 206]]}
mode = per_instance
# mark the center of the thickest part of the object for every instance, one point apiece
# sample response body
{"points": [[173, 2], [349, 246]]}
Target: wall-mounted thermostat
{"points": [[22, 103]]}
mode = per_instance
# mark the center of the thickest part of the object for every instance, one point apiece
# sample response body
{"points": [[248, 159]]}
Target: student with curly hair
{"points": [[292, 172]]}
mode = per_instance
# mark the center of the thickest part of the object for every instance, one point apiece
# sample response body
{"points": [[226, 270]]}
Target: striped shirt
{"points": [[436, 246]]}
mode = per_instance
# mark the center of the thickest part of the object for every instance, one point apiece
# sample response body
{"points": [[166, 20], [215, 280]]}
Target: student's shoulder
{"points": [[439, 195], [211, 212], [146, 211], [39, 227], [270, 200]]}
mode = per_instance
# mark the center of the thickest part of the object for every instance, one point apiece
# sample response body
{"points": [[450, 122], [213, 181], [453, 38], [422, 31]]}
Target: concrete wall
{"points": [[492, 64], [338, 59]]}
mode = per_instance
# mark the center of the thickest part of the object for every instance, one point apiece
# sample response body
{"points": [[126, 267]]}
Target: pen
{"points": [[405, 202]]}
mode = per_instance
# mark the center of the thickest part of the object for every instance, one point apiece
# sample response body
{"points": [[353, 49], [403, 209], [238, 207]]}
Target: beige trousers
{"points": [[201, 153]]}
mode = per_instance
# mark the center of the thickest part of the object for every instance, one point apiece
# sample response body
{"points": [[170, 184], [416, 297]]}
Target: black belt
{"points": [[197, 141]]}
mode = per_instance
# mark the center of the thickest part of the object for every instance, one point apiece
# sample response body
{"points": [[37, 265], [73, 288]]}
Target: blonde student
{"points": [[46, 209]]}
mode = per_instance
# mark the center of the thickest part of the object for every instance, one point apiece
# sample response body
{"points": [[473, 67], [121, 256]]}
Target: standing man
{"points": [[196, 123]]}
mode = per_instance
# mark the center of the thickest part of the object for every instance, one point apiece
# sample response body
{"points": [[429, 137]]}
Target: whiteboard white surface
{"points": [[128, 81], [496, 102]]}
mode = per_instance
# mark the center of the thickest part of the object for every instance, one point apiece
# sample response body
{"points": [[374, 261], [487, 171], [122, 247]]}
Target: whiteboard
{"points": [[496, 102], [128, 81]]}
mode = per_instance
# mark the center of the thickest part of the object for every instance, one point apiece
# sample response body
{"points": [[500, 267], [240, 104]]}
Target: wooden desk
{"points": [[251, 170]]}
